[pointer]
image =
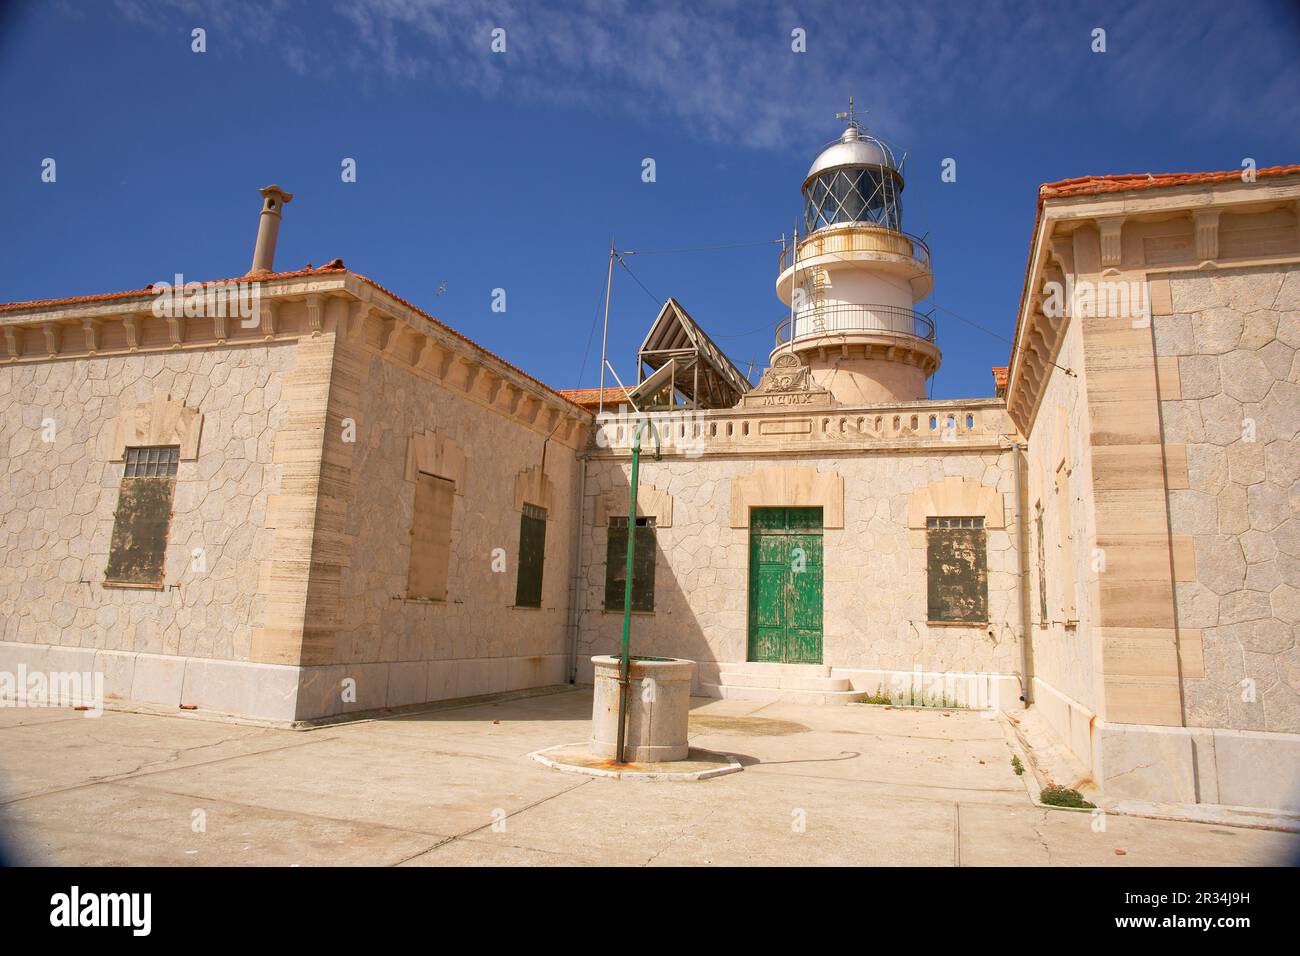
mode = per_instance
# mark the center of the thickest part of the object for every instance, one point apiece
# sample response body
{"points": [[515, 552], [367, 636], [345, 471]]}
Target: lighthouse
{"points": [[853, 278]]}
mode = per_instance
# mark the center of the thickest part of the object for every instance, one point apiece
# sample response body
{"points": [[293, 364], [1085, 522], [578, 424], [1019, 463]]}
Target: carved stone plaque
{"points": [[787, 383]]}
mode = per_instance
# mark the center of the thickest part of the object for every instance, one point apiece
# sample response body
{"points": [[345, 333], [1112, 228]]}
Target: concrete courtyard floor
{"points": [[849, 785]]}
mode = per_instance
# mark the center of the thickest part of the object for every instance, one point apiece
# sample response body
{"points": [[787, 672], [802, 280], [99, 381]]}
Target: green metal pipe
{"points": [[625, 660]]}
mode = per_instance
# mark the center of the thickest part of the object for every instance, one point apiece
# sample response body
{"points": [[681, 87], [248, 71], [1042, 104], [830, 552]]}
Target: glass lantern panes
{"points": [[854, 194]]}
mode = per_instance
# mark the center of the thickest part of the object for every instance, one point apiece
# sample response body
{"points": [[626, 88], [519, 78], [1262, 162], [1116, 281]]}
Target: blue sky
{"points": [[514, 170]]}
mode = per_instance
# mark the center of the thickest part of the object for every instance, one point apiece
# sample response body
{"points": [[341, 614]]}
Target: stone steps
{"points": [[786, 683], [757, 667]]}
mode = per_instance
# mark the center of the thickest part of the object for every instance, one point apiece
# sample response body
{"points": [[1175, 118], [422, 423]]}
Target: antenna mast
{"points": [[604, 336], [794, 279]]}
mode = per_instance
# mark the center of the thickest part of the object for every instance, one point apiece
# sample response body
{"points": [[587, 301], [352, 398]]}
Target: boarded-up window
{"points": [[957, 570], [144, 511], [643, 565], [1065, 530], [532, 556], [1042, 565], [430, 538]]}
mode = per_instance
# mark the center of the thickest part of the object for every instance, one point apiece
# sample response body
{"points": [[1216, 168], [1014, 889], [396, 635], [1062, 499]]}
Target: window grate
{"points": [[138, 547], [954, 522], [532, 556], [643, 564], [647, 521], [155, 461], [957, 570]]}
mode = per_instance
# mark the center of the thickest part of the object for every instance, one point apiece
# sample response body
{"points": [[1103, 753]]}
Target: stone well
{"points": [[658, 701]]}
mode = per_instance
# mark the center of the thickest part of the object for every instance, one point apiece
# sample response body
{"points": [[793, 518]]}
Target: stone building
{"points": [[294, 496], [1163, 588], [337, 457]]}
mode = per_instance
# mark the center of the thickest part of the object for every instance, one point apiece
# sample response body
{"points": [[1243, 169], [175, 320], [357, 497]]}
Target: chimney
{"points": [[268, 229]]}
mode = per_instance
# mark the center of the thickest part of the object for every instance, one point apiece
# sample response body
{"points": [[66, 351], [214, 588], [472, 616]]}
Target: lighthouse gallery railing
{"points": [[823, 320], [858, 237]]}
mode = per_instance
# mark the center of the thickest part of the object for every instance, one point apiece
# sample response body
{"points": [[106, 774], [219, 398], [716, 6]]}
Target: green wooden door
{"points": [[785, 585]]}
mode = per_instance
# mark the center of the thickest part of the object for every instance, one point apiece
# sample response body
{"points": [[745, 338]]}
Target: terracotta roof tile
{"points": [[591, 396], [1000, 376], [1094, 185], [335, 267]]}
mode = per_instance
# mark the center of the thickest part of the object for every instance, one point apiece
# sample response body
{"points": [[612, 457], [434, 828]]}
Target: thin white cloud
{"points": [[726, 70]]}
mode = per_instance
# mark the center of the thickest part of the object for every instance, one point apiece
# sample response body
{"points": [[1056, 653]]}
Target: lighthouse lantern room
{"points": [[853, 278]]}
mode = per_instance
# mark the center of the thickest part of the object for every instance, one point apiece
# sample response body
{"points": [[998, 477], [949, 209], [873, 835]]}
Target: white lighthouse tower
{"points": [[856, 277]]}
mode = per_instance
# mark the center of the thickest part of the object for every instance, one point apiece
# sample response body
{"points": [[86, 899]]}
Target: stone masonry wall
{"points": [[1063, 656], [1235, 336], [57, 501], [478, 623], [874, 567]]}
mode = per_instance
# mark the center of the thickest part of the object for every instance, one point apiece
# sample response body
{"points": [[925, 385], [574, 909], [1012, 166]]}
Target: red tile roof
{"points": [[590, 397], [1124, 182], [1000, 376], [1094, 185], [333, 268]]}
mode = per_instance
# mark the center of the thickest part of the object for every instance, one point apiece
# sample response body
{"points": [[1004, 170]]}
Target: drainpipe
{"points": [[1022, 561], [576, 589], [624, 660]]}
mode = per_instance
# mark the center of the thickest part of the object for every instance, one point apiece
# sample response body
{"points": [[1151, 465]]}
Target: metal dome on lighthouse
{"points": [[855, 179], [852, 280]]}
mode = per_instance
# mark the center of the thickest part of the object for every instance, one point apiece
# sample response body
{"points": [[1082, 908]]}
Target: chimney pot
{"points": [[268, 229]]}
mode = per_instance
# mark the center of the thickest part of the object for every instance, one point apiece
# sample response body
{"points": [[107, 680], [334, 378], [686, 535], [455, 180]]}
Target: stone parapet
{"points": [[943, 426]]}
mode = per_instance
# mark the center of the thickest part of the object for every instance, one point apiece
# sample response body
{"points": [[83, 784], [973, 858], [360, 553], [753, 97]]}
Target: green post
{"points": [[625, 660]]}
